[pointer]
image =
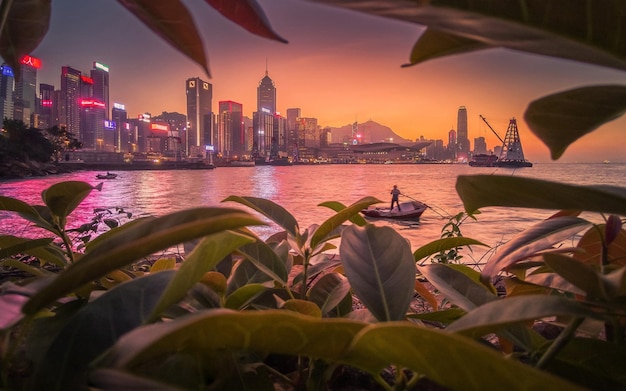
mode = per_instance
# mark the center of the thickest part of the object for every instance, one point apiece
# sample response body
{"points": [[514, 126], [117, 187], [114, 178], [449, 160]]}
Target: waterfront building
{"points": [[266, 95], [307, 132], [199, 134], [231, 130], [92, 117], [25, 94], [263, 124], [177, 124], [292, 115], [47, 106], [7, 86], [69, 104], [123, 139], [100, 76], [480, 146], [462, 133], [452, 145]]}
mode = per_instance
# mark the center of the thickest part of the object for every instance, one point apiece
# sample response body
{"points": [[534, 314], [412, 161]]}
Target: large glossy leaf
{"points": [[271, 210], [266, 260], [451, 360], [13, 245], [579, 274], [542, 236], [436, 246], [337, 206], [141, 240], [247, 14], [592, 363], [172, 22], [25, 211], [277, 331], [328, 291], [560, 119], [239, 299], [478, 191], [540, 27], [381, 270], [324, 231], [591, 245], [62, 198], [458, 286], [22, 30], [497, 314], [95, 328], [434, 44], [204, 257]]}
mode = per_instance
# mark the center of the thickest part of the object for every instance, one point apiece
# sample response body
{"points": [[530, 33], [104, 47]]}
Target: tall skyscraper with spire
{"points": [[199, 117], [266, 95], [462, 136]]}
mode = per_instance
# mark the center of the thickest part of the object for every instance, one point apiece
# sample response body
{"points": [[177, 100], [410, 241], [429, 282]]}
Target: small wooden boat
{"points": [[108, 175], [411, 210]]}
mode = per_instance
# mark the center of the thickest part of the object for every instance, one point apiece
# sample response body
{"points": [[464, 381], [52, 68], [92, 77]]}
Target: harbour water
{"points": [[300, 189]]}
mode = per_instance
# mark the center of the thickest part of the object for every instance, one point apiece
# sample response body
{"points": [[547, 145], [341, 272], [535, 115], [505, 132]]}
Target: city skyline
{"points": [[339, 67]]}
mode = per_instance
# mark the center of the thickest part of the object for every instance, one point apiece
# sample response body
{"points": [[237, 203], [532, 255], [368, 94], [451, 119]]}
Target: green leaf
{"points": [[560, 119], [538, 29], [460, 285], [96, 327], [172, 22], [328, 291], [497, 314], [381, 270], [62, 198], [303, 307], [450, 360], [242, 297], [204, 257], [542, 236], [276, 331], [247, 14], [141, 240], [13, 245], [436, 246], [434, 44], [445, 317], [266, 260], [271, 210], [338, 206], [26, 24], [26, 211], [579, 274], [478, 191], [330, 225]]}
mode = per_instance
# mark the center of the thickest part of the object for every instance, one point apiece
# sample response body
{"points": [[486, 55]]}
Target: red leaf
{"points": [[247, 14]]}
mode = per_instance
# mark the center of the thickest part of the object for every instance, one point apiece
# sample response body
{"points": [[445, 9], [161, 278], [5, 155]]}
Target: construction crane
{"points": [[511, 154]]}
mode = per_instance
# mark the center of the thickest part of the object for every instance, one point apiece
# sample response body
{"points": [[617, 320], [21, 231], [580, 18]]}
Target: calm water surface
{"points": [[299, 189]]}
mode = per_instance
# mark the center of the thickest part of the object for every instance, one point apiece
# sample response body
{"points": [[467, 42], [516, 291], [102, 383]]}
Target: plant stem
{"points": [[560, 342]]}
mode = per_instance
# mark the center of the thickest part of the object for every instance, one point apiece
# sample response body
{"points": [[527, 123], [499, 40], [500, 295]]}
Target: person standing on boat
{"points": [[395, 193]]}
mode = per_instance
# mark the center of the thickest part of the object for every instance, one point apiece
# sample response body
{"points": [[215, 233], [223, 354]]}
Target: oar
{"points": [[428, 206]]}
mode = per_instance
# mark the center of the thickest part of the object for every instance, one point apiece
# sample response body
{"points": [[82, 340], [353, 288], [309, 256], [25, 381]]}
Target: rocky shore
{"points": [[30, 168]]}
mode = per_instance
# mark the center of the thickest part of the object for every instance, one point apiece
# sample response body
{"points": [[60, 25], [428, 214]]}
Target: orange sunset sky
{"points": [[339, 66]]}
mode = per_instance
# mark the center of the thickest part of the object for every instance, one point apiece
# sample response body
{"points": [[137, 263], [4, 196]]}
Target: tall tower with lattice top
{"points": [[512, 146]]}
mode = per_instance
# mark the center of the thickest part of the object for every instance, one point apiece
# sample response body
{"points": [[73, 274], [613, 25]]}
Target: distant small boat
{"points": [[108, 175], [411, 210]]}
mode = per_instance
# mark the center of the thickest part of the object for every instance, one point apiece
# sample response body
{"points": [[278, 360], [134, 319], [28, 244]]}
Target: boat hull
{"points": [[408, 211]]}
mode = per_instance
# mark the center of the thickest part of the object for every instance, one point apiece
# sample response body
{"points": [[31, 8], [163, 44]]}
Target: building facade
{"points": [[199, 132], [462, 139], [231, 129]]}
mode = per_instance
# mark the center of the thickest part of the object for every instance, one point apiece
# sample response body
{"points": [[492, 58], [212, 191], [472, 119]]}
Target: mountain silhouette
{"points": [[371, 132]]}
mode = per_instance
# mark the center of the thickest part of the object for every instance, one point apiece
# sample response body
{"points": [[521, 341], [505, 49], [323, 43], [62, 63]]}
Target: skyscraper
{"points": [[7, 83], [124, 139], [47, 116], [462, 136], [100, 76], [25, 96], [199, 129], [232, 128], [69, 105], [266, 95]]}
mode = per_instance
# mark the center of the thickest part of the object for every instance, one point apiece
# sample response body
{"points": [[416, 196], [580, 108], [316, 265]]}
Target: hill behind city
{"points": [[371, 132]]}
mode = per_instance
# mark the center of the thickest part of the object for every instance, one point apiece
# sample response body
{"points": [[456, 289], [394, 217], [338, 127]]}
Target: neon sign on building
{"points": [[100, 66], [91, 103], [31, 61]]}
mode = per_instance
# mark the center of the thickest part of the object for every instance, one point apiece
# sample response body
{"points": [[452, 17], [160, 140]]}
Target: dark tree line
{"points": [[18, 143]]}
